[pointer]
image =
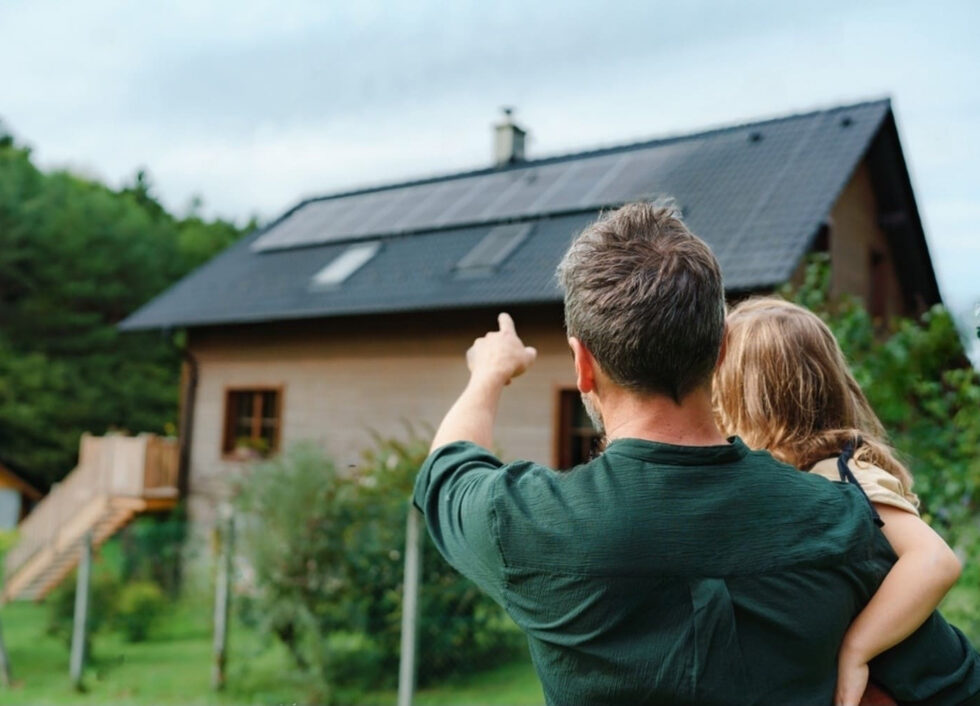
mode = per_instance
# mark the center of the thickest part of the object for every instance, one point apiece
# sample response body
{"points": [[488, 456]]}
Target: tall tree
{"points": [[75, 258]]}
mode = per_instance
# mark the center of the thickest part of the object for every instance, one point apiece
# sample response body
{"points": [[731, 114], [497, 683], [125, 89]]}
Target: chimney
{"points": [[508, 140]]}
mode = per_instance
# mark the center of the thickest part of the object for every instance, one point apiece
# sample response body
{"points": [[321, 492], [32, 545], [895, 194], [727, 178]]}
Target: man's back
{"points": [[665, 574]]}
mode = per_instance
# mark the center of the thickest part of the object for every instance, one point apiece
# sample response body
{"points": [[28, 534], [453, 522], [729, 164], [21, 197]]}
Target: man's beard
{"points": [[594, 414]]}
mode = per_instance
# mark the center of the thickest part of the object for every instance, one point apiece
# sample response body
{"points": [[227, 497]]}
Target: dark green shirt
{"points": [[660, 574]]}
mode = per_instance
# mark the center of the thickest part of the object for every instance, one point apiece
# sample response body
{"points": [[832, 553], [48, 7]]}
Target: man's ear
{"points": [[585, 366]]}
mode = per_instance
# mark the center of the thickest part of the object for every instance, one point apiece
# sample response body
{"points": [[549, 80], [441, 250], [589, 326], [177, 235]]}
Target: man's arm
{"points": [[455, 488], [494, 360]]}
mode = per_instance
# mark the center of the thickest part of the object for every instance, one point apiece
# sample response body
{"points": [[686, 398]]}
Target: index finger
{"points": [[506, 323]]}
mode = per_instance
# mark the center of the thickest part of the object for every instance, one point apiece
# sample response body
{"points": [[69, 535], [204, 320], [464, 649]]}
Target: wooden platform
{"points": [[117, 478]]}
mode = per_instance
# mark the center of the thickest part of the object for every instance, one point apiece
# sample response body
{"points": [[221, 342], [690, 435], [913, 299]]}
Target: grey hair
{"points": [[645, 296]]}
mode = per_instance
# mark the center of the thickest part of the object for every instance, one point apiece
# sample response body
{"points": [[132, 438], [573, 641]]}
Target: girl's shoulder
{"points": [[878, 484]]}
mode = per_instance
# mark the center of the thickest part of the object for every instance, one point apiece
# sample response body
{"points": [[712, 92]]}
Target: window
{"points": [[252, 422], [492, 250], [577, 440], [345, 264]]}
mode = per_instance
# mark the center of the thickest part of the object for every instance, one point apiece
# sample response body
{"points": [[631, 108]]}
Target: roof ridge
{"points": [[591, 152]]}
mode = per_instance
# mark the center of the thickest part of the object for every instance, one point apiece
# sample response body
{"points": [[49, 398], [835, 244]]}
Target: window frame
{"points": [[228, 448], [565, 399]]}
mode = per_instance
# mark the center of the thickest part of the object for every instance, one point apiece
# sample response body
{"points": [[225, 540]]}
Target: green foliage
{"points": [[119, 600], [75, 259], [8, 538], [140, 606], [151, 549], [918, 380], [326, 550], [103, 597]]}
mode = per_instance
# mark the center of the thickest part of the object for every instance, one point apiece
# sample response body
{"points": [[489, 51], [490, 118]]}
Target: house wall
{"points": [[854, 237], [343, 379]]}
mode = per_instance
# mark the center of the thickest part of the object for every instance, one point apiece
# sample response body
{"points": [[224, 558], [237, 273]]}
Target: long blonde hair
{"points": [[784, 385]]}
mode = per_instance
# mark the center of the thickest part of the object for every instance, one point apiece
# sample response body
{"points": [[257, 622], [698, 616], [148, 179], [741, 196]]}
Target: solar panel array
{"points": [[557, 187], [756, 194]]}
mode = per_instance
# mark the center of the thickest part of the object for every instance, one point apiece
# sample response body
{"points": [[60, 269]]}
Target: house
{"points": [[350, 313]]}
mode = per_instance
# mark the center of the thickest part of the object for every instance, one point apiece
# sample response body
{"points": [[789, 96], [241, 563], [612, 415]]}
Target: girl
{"points": [[783, 385]]}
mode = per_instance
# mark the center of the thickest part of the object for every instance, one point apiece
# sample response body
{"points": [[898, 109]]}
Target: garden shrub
{"points": [[325, 548], [103, 596], [152, 550], [139, 607], [131, 606]]}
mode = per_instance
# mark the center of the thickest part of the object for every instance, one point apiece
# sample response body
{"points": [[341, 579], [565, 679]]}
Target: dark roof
{"points": [[757, 193]]}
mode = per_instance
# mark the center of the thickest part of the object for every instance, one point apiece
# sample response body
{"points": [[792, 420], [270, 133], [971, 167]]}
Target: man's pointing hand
{"points": [[500, 356]]}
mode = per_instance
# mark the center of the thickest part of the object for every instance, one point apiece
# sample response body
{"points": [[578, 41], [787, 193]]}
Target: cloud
{"points": [[253, 105]]}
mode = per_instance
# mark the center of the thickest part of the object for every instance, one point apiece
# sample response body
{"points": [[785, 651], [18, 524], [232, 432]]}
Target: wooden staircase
{"points": [[116, 479]]}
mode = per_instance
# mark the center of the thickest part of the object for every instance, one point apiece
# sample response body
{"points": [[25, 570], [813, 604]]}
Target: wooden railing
{"points": [[143, 466]]}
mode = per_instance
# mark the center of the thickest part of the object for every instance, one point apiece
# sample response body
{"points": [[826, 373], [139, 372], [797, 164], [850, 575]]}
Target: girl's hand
{"points": [[852, 680]]}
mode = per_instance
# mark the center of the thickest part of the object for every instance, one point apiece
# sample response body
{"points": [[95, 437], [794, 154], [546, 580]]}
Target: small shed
{"points": [[17, 497]]}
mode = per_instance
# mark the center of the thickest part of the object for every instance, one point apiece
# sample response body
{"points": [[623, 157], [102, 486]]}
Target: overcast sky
{"points": [[253, 105]]}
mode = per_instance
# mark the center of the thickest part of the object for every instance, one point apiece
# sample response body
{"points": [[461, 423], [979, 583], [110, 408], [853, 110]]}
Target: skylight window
{"points": [[493, 249], [345, 264]]}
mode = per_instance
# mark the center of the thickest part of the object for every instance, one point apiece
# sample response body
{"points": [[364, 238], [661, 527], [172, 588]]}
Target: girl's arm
{"points": [[926, 569]]}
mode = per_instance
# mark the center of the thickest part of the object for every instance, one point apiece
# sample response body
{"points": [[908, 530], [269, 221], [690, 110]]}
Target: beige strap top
{"points": [[878, 484]]}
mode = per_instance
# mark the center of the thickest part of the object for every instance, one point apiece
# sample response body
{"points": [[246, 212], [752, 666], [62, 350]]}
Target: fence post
{"points": [[408, 665], [222, 602], [79, 635], [5, 677]]}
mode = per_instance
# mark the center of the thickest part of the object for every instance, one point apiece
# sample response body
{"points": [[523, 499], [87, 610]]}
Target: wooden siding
{"points": [[341, 380], [854, 238]]}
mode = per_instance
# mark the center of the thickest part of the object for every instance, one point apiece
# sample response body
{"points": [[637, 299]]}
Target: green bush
{"points": [[151, 549], [326, 549], [140, 605], [103, 596]]}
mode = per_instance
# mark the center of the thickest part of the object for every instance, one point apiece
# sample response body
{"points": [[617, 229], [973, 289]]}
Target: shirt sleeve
{"points": [[455, 491], [878, 484], [935, 665]]}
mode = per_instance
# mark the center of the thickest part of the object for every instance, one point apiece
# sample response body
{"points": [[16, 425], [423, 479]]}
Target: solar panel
{"points": [[579, 182], [644, 174], [533, 183], [431, 208], [487, 190], [366, 207], [313, 222], [587, 182], [398, 201]]}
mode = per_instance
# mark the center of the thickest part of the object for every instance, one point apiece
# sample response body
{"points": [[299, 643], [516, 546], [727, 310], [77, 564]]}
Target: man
{"points": [[678, 567]]}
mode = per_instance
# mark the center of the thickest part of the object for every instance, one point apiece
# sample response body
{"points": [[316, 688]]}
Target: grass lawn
{"points": [[510, 685], [174, 667]]}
